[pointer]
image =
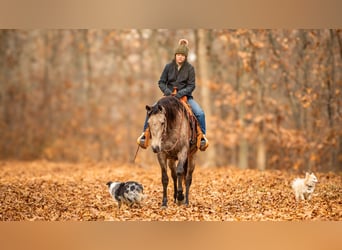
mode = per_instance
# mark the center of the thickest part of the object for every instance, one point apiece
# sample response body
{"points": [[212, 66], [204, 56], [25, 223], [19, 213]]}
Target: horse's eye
{"points": [[162, 123]]}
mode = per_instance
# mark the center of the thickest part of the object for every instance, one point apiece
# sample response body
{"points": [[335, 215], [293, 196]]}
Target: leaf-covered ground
{"points": [[78, 192]]}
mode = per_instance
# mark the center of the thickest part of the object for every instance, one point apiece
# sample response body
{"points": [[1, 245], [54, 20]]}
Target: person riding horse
{"points": [[179, 74]]}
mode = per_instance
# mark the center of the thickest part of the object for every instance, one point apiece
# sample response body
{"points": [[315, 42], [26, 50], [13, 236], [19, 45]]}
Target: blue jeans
{"points": [[198, 112]]}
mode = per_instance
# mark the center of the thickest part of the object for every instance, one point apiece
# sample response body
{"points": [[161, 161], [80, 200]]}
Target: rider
{"points": [[180, 73]]}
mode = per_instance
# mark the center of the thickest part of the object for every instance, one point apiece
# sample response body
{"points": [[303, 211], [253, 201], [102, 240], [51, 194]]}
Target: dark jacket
{"points": [[184, 79]]}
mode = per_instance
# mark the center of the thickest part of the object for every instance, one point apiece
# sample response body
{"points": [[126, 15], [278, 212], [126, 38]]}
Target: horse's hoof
{"points": [[180, 197], [164, 207], [164, 204]]}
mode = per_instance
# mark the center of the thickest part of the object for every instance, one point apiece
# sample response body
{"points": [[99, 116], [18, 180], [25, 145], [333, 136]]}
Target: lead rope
{"points": [[136, 153]]}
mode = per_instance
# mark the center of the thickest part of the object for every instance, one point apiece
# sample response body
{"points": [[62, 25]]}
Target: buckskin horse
{"points": [[174, 140]]}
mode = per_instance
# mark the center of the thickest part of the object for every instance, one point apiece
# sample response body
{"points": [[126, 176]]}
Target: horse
{"points": [[170, 131]]}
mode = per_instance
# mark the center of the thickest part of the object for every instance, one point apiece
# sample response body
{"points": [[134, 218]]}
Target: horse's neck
{"points": [[181, 127]]}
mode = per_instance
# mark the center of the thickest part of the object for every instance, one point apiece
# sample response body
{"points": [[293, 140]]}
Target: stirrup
{"points": [[204, 143], [141, 141]]}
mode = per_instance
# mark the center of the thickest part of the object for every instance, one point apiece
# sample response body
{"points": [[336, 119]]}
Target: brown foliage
{"points": [[78, 192]]}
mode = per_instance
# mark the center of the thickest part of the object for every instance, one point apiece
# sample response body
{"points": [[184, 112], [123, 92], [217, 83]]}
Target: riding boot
{"points": [[144, 139], [204, 143]]}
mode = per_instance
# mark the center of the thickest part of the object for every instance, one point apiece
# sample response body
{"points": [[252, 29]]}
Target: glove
{"points": [[167, 92]]}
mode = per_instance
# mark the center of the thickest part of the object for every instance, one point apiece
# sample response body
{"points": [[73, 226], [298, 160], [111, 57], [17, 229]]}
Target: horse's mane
{"points": [[172, 108]]}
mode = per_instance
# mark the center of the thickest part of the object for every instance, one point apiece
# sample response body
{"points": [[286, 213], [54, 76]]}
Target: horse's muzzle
{"points": [[156, 149]]}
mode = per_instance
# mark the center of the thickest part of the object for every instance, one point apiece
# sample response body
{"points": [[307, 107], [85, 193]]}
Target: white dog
{"points": [[304, 187]]}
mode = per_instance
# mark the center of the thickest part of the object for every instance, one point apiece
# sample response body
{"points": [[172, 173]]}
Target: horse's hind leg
{"points": [[172, 166], [188, 178]]}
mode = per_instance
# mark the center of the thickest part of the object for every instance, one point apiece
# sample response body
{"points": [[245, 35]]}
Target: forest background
{"points": [[272, 98]]}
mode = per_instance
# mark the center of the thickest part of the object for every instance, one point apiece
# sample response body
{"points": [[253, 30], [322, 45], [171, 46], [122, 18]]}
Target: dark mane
{"points": [[172, 107]]}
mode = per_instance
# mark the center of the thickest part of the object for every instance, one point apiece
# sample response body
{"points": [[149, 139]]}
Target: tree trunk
{"points": [[205, 90], [243, 143], [330, 80], [261, 148]]}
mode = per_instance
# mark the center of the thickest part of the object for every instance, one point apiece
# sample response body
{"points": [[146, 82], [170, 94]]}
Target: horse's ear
{"points": [[149, 110], [161, 109]]}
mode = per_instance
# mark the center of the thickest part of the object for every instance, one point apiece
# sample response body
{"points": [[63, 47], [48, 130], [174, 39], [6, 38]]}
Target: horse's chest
{"points": [[172, 155]]}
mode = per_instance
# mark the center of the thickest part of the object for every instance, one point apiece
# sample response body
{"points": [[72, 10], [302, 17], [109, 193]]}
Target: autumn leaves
{"points": [[78, 192]]}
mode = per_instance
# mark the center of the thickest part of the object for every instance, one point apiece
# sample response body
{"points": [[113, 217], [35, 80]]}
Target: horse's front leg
{"points": [[180, 177], [182, 157], [172, 166], [165, 178]]}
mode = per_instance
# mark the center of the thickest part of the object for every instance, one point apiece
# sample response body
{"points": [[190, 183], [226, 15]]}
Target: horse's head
{"points": [[157, 124]]}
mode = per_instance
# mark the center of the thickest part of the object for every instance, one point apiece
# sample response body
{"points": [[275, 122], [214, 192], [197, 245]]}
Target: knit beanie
{"points": [[182, 47]]}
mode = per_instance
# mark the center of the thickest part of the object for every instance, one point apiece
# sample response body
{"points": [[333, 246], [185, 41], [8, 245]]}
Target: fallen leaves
{"points": [[78, 192]]}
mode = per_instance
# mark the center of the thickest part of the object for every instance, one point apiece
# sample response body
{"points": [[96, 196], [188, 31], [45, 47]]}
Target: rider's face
{"points": [[180, 58]]}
